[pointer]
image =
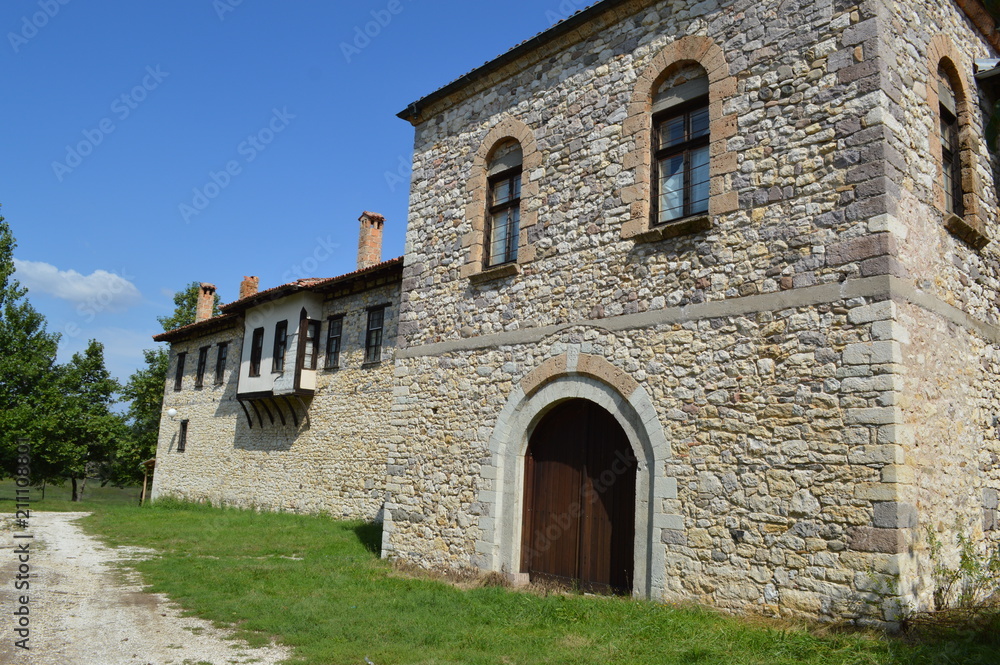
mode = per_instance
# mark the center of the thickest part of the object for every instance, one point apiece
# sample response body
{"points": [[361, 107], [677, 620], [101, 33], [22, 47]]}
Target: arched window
{"points": [[680, 159], [503, 204], [951, 159], [953, 142], [681, 146]]}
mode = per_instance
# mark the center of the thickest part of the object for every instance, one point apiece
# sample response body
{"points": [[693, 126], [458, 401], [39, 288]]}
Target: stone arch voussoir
{"points": [[590, 377]]}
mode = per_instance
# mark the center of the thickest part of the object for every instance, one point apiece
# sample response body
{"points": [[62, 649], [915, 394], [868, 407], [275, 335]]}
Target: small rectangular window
{"points": [[312, 344], [220, 362], [333, 335], [182, 436], [280, 346], [179, 373], [373, 338], [199, 380], [256, 351]]}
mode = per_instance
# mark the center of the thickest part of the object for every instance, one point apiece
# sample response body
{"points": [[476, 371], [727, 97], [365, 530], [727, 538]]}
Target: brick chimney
{"points": [[248, 287], [370, 239], [206, 302]]}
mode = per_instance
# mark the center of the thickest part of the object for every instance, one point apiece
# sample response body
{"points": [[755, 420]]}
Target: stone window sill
{"points": [[495, 272], [680, 227], [968, 229], [372, 364]]}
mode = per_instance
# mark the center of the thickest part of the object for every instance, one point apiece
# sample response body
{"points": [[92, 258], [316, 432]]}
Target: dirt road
{"points": [[83, 610]]}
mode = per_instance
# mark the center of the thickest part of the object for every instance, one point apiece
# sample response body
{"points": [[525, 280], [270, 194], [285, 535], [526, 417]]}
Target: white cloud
{"points": [[100, 290]]}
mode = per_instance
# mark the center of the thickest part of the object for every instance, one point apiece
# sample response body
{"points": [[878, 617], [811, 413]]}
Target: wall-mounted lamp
{"points": [[172, 413]]}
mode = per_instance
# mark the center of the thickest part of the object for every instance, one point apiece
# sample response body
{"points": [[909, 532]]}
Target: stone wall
{"points": [[773, 420], [794, 380], [334, 462]]}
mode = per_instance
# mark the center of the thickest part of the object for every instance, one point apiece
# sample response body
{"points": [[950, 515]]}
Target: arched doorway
{"points": [[579, 507]]}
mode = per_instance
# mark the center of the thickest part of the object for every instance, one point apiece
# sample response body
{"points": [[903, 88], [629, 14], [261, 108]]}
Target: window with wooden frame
{"points": [[373, 336], [680, 144], [310, 335], [334, 333], [179, 371], [680, 187], [199, 379], [182, 436], [503, 207], [256, 351], [220, 362], [280, 346], [951, 162]]}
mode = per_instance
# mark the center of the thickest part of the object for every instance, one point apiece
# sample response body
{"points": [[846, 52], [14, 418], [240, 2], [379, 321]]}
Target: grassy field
{"points": [[317, 585], [58, 497]]}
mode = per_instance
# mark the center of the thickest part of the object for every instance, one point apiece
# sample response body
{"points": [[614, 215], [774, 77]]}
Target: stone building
{"points": [[699, 303], [280, 402]]}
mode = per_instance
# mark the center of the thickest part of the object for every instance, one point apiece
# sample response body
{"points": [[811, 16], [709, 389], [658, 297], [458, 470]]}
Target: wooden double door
{"points": [[579, 508]]}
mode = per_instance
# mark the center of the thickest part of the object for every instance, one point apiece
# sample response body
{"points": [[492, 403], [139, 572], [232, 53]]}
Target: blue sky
{"points": [[146, 145]]}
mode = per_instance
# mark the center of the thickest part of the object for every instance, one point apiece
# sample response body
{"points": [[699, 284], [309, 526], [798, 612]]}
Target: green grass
{"points": [[316, 585], [58, 497]]}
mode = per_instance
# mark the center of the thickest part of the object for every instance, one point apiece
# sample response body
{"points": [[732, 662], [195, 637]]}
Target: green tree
{"points": [[144, 391], [81, 432], [185, 306], [27, 361]]}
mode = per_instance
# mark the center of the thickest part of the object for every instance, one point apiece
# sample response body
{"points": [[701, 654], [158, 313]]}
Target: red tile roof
{"points": [[305, 285], [230, 311]]}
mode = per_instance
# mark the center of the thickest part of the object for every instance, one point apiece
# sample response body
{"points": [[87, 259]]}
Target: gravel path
{"points": [[84, 610]]}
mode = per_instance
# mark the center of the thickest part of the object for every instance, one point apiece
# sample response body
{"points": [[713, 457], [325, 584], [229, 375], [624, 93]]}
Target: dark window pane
{"points": [[333, 342], [373, 338], [220, 362], [951, 167], [672, 132], [699, 123], [256, 351], [280, 346], [179, 374]]}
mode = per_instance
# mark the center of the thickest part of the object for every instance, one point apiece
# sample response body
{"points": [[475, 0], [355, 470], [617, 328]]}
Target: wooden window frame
{"points": [[182, 436], [199, 379], [374, 335], [334, 341], [256, 351], [308, 353], [179, 372], [951, 163], [685, 148], [280, 346], [221, 356], [513, 204]]}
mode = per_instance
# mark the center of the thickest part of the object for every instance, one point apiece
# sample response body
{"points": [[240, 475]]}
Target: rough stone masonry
{"points": [[808, 374]]}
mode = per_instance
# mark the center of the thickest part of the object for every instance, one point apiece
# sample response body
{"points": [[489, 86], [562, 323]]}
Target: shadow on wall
{"points": [[276, 437]]}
